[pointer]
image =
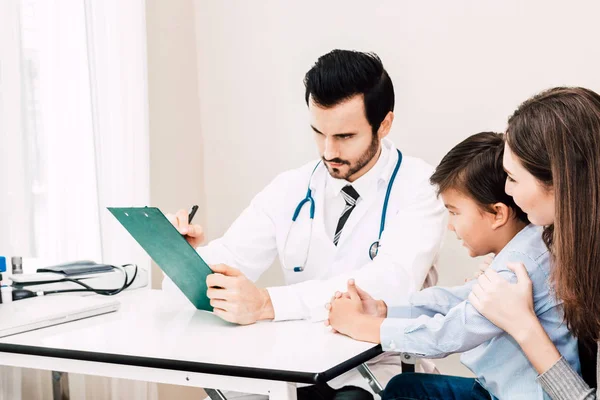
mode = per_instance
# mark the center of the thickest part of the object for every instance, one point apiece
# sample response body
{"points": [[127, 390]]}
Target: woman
{"points": [[552, 157]]}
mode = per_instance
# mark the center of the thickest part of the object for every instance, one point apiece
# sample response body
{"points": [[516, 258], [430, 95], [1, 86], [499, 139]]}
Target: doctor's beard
{"points": [[357, 165]]}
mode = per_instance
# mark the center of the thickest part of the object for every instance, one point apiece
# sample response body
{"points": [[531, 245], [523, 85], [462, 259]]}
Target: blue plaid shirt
{"points": [[439, 321]]}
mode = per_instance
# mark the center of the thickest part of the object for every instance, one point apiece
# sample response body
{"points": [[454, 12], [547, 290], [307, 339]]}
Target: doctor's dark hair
{"points": [[474, 167], [341, 74]]}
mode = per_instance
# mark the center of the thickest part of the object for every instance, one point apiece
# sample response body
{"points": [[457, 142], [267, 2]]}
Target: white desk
{"points": [[154, 339]]}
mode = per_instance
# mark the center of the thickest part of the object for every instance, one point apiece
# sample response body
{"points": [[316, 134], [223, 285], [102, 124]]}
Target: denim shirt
{"points": [[440, 321]]}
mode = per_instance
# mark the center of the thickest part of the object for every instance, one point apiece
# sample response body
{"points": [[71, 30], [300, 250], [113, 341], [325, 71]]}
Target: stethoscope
{"points": [[373, 249]]}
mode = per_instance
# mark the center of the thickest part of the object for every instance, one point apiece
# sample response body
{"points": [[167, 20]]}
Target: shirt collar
{"points": [[366, 185]]}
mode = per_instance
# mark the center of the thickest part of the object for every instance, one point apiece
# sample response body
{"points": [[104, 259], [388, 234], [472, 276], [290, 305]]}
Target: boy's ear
{"points": [[501, 215]]}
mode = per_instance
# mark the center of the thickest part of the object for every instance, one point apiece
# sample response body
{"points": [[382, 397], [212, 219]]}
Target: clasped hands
{"points": [[356, 314]]}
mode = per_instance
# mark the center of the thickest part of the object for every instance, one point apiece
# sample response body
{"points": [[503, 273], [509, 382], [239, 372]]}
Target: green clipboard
{"points": [[169, 249]]}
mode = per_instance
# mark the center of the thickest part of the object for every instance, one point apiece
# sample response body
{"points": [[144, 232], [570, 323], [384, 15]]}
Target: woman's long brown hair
{"points": [[556, 136]]}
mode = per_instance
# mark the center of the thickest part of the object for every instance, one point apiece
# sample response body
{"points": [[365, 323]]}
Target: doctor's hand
{"points": [[348, 316], [235, 298], [194, 234]]}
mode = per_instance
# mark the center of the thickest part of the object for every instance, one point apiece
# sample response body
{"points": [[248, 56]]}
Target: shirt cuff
{"points": [[391, 334], [286, 305], [207, 255], [399, 312], [561, 382]]}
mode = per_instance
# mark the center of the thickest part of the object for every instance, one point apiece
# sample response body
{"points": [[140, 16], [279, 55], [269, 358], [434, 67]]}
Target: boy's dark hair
{"points": [[474, 168], [342, 74]]}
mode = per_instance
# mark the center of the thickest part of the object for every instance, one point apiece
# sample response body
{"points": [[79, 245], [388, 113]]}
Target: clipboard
{"points": [[169, 249]]}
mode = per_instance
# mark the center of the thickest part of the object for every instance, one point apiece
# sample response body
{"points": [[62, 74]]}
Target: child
{"points": [[437, 321]]}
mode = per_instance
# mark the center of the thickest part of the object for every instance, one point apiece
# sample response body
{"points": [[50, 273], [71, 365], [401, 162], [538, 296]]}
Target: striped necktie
{"points": [[350, 197]]}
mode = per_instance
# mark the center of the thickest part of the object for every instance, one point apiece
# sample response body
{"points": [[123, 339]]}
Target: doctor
{"points": [[363, 210]]}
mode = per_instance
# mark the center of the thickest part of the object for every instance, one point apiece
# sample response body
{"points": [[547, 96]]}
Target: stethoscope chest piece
{"points": [[374, 249]]}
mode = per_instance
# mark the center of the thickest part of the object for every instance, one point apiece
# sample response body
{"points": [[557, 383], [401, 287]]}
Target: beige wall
{"points": [[176, 149]]}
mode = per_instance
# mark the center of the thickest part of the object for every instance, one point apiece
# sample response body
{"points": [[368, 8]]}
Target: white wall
{"points": [[459, 67]]}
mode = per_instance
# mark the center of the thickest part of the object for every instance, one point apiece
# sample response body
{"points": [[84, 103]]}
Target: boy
{"points": [[440, 321]]}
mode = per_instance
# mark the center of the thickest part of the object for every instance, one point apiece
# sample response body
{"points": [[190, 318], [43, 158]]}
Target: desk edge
{"points": [[196, 367]]}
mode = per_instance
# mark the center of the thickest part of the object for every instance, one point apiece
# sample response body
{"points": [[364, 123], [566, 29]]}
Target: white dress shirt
{"points": [[365, 186]]}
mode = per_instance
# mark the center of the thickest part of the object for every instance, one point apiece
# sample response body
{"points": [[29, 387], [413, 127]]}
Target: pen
{"points": [[192, 213]]}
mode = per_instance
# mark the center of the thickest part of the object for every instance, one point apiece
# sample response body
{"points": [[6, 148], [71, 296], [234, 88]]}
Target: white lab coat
{"points": [[410, 243]]}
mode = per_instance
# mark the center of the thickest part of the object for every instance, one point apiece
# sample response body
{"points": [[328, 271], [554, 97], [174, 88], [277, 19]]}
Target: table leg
{"points": [[60, 385], [366, 373], [283, 391]]}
